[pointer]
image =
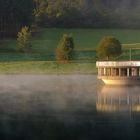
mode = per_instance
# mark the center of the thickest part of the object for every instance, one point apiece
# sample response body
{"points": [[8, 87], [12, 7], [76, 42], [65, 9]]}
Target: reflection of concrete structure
{"points": [[112, 99], [119, 72]]}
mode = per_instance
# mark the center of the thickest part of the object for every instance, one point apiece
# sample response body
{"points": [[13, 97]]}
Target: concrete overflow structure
{"points": [[119, 72]]}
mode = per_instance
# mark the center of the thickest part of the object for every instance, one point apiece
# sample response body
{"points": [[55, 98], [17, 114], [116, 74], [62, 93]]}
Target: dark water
{"points": [[67, 108]]}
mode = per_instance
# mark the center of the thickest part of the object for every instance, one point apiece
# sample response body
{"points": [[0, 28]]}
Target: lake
{"points": [[52, 107]]}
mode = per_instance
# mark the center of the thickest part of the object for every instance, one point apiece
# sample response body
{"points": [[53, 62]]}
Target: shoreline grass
{"points": [[46, 67]]}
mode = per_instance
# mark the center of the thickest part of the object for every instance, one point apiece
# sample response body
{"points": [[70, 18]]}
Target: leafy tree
{"points": [[108, 47], [23, 39], [64, 51]]}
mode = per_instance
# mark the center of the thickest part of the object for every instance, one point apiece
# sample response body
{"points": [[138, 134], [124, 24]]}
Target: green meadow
{"points": [[44, 43]]}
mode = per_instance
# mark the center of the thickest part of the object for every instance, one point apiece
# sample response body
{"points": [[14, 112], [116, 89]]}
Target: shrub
{"points": [[108, 48]]}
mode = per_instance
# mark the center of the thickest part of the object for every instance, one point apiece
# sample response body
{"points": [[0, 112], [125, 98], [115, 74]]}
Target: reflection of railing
{"points": [[109, 103], [111, 99]]}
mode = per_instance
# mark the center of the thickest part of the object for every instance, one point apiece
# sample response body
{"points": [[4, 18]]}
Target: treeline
{"points": [[88, 13], [15, 14], [71, 13]]}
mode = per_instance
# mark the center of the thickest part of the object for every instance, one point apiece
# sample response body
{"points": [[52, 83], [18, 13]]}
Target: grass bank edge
{"points": [[47, 67]]}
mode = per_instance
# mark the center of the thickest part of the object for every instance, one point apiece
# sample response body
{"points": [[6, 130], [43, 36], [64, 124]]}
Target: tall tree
{"points": [[64, 51], [24, 36]]}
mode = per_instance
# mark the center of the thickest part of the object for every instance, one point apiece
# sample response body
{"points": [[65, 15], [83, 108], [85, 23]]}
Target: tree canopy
{"points": [[108, 47], [15, 14], [88, 13]]}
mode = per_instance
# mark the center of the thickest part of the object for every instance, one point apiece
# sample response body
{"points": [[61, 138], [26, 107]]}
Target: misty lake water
{"points": [[67, 107]]}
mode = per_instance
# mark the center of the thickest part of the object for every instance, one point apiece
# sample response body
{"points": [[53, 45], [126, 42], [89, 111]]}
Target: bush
{"points": [[108, 48], [24, 44], [64, 51]]}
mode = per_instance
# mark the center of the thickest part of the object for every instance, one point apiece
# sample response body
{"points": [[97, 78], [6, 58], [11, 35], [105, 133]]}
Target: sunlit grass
{"points": [[46, 67]]}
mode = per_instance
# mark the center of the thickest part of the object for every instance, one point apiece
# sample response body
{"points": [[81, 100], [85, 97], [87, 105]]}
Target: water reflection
{"points": [[67, 108], [118, 98]]}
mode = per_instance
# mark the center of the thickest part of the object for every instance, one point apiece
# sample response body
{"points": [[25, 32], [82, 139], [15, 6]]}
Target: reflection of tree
{"points": [[111, 99]]}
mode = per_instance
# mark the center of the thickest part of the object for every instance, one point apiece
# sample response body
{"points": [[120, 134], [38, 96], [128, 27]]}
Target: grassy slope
{"points": [[45, 43]]}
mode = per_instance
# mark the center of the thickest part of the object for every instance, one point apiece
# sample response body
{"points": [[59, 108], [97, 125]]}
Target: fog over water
{"points": [[67, 107]]}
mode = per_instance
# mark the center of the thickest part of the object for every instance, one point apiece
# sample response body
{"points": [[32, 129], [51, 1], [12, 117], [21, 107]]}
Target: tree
{"points": [[65, 49], [108, 47], [23, 39]]}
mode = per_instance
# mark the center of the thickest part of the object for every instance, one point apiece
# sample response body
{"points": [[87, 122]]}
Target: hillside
{"points": [[15, 14], [89, 13]]}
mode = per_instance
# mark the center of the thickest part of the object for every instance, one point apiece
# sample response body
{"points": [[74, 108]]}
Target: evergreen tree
{"points": [[64, 51], [23, 39]]}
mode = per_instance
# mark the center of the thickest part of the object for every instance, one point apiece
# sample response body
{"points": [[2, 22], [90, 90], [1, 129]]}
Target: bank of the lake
{"points": [[47, 67], [42, 60]]}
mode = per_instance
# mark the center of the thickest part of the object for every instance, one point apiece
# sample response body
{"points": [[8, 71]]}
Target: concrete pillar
{"points": [[99, 71], [112, 74], [109, 71], [127, 72], [104, 71], [119, 71]]}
